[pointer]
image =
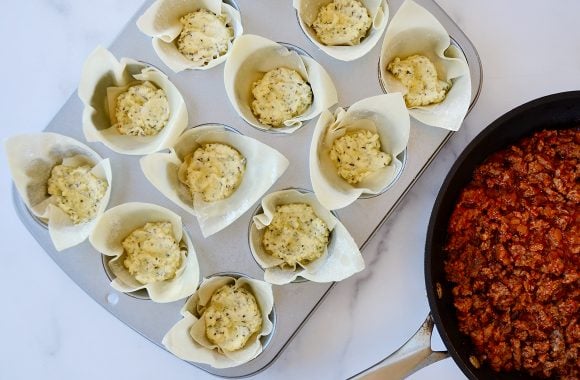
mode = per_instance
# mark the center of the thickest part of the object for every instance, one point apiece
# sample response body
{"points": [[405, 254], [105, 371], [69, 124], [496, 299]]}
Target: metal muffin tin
{"points": [[227, 250]]}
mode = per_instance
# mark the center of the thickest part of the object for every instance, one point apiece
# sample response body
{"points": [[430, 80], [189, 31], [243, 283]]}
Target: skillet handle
{"points": [[415, 354]]}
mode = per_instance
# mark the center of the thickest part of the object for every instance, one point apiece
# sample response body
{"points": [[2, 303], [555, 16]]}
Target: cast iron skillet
{"points": [[557, 111]]}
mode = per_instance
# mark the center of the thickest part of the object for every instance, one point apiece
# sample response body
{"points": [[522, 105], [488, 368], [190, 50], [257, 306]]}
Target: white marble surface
{"points": [[51, 329]]}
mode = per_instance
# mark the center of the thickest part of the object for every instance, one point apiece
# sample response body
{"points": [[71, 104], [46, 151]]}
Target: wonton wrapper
{"points": [[413, 30], [378, 9], [253, 56], [264, 165], [103, 75], [187, 339], [161, 21], [31, 158], [117, 223], [383, 114], [340, 260]]}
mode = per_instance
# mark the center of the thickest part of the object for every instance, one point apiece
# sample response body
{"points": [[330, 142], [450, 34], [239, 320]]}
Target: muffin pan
{"points": [[227, 250]]}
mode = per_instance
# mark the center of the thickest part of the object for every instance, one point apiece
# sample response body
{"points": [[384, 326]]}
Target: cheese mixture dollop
{"points": [[152, 253], [296, 234], [213, 170], [342, 22], [204, 36], [358, 154], [232, 317], [142, 110], [280, 95], [76, 191], [418, 74]]}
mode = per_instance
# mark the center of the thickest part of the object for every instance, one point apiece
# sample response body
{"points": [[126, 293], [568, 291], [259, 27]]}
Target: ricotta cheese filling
{"points": [[342, 22], [280, 95], [204, 36], [213, 170], [296, 234], [418, 74], [142, 110], [152, 253], [232, 317], [358, 154], [76, 191]]}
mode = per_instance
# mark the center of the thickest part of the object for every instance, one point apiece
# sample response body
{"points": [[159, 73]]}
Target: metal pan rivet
{"points": [[474, 361], [439, 290], [112, 299]]}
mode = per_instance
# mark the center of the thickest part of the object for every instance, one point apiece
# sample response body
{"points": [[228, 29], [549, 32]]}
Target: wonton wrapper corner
{"points": [[161, 22], [104, 75], [379, 11], [340, 260], [414, 30], [264, 165], [180, 342], [384, 114], [31, 158], [120, 221], [253, 56]]}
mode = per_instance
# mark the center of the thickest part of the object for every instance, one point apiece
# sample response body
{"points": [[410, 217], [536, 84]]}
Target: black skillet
{"points": [[557, 111]]}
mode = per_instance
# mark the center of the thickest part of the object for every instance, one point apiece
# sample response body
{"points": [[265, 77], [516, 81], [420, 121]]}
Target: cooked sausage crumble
{"points": [[513, 254]]}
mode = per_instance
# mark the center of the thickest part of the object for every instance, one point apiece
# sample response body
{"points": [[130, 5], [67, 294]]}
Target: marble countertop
{"points": [[52, 329]]}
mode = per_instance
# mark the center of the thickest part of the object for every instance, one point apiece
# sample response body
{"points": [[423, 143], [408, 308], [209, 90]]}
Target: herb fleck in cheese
{"points": [[296, 234], [280, 95], [418, 74], [342, 22], [152, 253], [76, 191], [213, 170], [358, 154], [232, 317], [142, 110], [204, 36]]}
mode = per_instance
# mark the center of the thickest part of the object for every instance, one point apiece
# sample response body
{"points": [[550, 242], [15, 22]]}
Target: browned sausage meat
{"points": [[513, 256]]}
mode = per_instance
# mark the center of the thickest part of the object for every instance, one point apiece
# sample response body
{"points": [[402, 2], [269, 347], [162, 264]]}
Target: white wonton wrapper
{"points": [[161, 21], [264, 165], [383, 114], [378, 9], [187, 339], [253, 56], [117, 223], [31, 158], [340, 260], [413, 30], [103, 74]]}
